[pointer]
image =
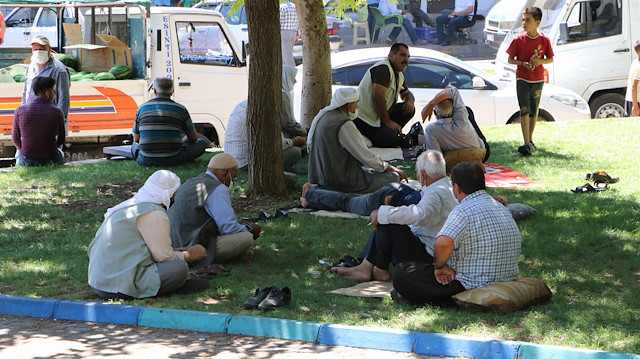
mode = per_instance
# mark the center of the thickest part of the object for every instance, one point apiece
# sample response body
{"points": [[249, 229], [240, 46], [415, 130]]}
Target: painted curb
{"points": [[327, 334], [369, 338], [537, 351], [274, 328], [97, 312], [456, 345], [184, 320], [27, 307]]}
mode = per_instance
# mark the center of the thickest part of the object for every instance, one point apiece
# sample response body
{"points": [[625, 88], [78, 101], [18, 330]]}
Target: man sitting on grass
{"points": [[478, 245], [202, 214], [407, 232], [131, 254]]}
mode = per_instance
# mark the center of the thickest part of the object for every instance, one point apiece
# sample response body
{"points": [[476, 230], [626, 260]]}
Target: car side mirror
{"points": [[478, 83], [564, 32]]}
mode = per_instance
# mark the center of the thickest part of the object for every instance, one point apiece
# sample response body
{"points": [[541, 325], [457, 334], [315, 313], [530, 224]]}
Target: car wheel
{"points": [[607, 105]]}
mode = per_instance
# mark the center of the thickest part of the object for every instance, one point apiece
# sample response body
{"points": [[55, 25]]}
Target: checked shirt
{"points": [[288, 17], [487, 241]]}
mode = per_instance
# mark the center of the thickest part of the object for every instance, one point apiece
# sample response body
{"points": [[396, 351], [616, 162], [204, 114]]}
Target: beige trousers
{"points": [[231, 246]]}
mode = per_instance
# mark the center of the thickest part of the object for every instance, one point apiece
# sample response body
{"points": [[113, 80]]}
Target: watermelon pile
{"points": [[121, 72], [13, 73]]}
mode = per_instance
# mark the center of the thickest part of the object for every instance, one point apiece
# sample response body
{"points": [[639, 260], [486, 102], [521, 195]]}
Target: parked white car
{"points": [[24, 23], [500, 20], [492, 100]]}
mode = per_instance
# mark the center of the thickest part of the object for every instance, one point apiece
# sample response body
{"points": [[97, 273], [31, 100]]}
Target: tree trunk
{"points": [[316, 83], [266, 172]]}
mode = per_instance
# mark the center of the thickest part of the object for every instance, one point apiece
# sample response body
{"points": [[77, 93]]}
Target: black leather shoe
{"points": [[276, 298], [195, 285], [258, 296]]}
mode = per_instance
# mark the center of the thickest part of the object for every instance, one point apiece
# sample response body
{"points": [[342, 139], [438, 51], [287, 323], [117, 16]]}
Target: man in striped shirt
{"points": [[288, 31], [158, 129]]}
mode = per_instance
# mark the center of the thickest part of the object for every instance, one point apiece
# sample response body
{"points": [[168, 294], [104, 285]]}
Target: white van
{"points": [[194, 47], [593, 46], [500, 20]]}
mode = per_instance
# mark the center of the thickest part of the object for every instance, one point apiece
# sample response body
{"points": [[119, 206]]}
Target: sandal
{"points": [[587, 187], [347, 262], [213, 270], [601, 177]]}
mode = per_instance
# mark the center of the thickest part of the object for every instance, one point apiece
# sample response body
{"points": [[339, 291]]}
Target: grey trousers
{"points": [[287, 40], [173, 275]]}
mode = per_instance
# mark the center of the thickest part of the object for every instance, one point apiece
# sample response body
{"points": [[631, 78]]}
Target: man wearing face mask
{"points": [[202, 214], [45, 65], [38, 127], [337, 151]]}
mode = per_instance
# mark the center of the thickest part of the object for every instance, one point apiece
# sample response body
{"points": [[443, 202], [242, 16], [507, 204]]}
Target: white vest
{"points": [[367, 111]]}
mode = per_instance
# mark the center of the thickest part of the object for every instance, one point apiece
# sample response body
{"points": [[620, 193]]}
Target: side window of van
{"points": [[203, 43], [590, 20], [24, 17]]}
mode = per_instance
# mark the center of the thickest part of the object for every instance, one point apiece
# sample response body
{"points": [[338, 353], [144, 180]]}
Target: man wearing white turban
{"points": [[131, 255], [337, 151], [202, 214]]}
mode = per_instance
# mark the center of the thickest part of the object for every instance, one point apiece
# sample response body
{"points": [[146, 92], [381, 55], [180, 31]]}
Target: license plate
{"points": [[490, 37]]}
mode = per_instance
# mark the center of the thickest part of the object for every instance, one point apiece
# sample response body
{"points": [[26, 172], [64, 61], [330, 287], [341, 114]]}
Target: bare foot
{"points": [[246, 257], [388, 199], [359, 273], [382, 275], [303, 199]]}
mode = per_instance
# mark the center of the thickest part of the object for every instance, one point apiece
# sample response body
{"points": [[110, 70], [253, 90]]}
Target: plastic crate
{"points": [[427, 33]]}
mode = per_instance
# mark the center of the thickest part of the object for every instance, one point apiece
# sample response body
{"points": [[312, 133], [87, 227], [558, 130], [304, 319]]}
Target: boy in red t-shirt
{"points": [[529, 51]]}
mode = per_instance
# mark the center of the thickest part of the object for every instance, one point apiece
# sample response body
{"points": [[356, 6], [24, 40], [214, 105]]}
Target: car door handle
{"points": [[621, 50], [27, 32], [184, 83]]}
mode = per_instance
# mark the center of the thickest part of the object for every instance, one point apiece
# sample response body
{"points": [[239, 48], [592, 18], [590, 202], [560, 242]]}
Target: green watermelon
{"points": [[69, 61], [77, 77], [19, 78], [104, 76], [71, 70], [90, 76], [121, 72]]}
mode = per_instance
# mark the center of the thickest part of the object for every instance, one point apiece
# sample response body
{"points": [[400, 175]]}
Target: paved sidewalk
{"points": [[24, 337]]}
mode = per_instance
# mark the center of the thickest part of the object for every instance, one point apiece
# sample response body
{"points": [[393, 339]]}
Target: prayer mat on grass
{"points": [[372, 289], [503, 177]]}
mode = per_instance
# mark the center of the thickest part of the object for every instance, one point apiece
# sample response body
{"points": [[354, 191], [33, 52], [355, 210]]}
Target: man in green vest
{"points": [[202, 214], [131, 255], [381, 117]]}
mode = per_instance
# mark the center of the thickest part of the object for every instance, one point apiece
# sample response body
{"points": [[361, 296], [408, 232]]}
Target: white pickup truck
{"points": [[194, 47]]}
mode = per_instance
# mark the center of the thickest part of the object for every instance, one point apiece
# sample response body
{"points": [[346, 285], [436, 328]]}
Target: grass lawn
{"points": [[584, 246]]}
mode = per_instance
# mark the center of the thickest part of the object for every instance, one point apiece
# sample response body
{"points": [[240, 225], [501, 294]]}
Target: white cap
{"points": [[42, 40]]}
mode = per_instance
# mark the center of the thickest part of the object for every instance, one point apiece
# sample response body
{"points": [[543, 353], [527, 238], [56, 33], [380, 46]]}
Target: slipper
{"points": [[346, 262], [213, 270], [601, 177], [587, 187]]}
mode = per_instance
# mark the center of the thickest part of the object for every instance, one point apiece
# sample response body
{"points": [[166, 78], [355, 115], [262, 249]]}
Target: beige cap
{"points": [[222, 161], [42, 40]]}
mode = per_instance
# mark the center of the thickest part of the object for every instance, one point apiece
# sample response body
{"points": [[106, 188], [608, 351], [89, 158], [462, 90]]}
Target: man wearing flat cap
{"points": [[202, 214], [44, 65], [337, 151]]}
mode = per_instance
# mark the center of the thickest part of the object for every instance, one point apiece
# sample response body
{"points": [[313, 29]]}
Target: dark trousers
{"points": [[188, 153], [416, 282], [418, 15], [383, 136], [394, 243]]}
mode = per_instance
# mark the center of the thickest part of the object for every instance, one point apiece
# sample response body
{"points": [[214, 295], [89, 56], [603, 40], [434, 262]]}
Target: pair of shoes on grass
{"points": [[527, 149], [269, 298], [601, 181]]}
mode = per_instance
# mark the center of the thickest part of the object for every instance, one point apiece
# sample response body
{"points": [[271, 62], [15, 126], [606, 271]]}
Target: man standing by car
{"points": [[380, 117], [288, 31], [45, 65]]}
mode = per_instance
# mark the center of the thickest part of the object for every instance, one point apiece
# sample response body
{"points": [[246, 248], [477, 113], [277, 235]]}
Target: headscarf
{"points": [[159, 188], [340, 98]]}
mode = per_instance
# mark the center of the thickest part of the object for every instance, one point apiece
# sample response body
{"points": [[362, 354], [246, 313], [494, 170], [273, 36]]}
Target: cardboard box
{"points": [[101, 58]]}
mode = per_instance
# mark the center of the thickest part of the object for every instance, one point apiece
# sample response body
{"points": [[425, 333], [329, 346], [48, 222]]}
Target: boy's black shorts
{"points": [[529, 96]]}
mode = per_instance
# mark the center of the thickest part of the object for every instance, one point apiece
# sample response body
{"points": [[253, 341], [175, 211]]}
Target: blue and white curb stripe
{"points": [[321, 333]]}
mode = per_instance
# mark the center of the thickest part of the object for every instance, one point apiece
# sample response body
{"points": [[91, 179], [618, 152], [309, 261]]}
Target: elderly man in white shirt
{"points": [[407, 232], [388, 8]]}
